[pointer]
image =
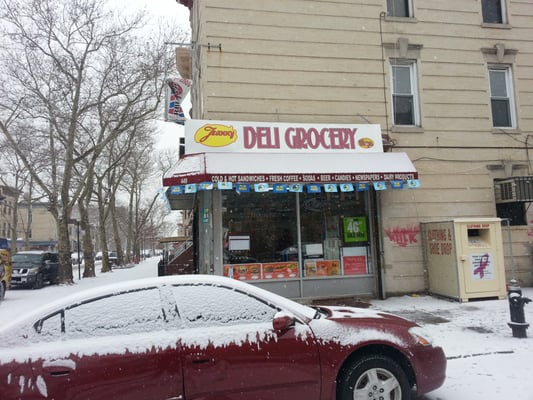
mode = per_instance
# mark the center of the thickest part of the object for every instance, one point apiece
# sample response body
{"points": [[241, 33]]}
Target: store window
{"points": [[501, 97], [404, 93], [399, 8], [335, 234], [259, 228], [261, 234], [493, 11]]}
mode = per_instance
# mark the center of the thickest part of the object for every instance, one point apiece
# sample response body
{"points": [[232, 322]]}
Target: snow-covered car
{"points": [[210, 337], [74, 258]]}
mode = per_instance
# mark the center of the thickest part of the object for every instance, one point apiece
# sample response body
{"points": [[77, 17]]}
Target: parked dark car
{"points": [[112, 256], [209, 337], [33, 269]]}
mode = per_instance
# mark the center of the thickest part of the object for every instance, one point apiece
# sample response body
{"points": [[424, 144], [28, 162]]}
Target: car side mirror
{"points": [[283, 321]]}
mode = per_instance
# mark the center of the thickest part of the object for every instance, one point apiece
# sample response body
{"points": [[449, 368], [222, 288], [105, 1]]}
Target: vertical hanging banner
{"points": [[176, 91]]}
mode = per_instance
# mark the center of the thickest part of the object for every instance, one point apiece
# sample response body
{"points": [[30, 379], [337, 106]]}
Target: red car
{"points": [[208, 337]]}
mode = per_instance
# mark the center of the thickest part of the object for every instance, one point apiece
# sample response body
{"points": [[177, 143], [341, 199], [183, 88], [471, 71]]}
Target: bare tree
{"points": [[138, 172], [76, 76]]}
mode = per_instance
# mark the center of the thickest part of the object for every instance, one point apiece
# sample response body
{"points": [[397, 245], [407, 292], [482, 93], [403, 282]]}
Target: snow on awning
{"points": [[291, 168]]}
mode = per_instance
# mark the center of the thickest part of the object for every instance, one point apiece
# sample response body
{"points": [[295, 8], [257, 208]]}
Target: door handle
{"points": [[199, 358], [60, 367], [60, 373]]}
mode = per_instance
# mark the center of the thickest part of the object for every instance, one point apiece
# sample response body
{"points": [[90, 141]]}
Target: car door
{"points": [[51, 267], [116, 347], [231, 351]]}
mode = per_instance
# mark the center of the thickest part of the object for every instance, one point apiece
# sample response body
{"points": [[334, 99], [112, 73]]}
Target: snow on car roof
{"points": [[301, 310], [15, 350]]}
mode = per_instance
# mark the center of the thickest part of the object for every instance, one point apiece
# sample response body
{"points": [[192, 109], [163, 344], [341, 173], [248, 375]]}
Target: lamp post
{"points": [[75, 221]]}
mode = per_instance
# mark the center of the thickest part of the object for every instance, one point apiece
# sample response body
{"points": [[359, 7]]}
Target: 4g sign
{"points": [[355, 230]]}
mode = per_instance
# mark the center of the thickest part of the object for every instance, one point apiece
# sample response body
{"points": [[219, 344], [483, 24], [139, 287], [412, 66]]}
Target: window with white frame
{"points": [[399, 8], [493, 11], [501, 97], [404, 93]]}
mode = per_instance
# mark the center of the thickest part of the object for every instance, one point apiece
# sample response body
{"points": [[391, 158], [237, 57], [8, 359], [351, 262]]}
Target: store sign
{"points": [[176, 91], [242, 136]]}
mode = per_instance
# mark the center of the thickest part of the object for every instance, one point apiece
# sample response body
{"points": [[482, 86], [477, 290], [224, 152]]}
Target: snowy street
{"points": [[485, 361]]}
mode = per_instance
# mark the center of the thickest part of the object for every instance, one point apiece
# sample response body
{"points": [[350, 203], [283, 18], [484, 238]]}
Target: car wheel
{"points": [[39, 283], [373, 377]]}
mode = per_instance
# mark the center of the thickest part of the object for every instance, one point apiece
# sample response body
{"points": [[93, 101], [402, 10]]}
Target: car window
{"points": [[206, 305], [117, 314], [50, 327]]}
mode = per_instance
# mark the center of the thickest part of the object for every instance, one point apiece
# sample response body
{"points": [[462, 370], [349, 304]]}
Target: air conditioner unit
{"points": [[518, 189]]}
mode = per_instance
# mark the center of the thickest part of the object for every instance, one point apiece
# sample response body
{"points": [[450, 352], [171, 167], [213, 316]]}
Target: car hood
{"points": [[364, 316], [351, 326]]}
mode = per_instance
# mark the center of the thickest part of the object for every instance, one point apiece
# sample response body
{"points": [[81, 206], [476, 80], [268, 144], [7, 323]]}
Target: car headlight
{"points": [[420, 336]]}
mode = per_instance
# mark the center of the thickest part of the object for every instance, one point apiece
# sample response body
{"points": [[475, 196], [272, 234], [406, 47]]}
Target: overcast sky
{"points": [[169, 133], [159, 8]]}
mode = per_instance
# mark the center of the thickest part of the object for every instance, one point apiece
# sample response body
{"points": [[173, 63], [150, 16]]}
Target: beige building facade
{"points": [[449, 83]]}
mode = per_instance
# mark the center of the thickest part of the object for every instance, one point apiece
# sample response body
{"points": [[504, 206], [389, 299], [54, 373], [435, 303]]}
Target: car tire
{"points": [[373, 377], [39, 282]]}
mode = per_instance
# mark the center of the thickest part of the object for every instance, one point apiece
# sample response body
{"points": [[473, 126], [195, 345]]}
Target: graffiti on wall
{"points": [[530, 227], [403, 236]]}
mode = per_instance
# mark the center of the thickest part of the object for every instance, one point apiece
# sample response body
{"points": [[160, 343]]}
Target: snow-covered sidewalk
{"points": [[485, 362]]}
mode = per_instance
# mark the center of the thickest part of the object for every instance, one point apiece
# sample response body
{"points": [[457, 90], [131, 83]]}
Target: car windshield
{"points": [[27, 258]]}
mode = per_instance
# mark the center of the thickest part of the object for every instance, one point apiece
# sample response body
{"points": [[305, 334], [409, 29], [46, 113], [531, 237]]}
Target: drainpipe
{"points": [[381, 269], [508, 221], [299, 240]]}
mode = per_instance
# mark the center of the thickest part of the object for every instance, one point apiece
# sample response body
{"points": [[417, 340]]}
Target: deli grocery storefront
{"points": [[292, 208]]}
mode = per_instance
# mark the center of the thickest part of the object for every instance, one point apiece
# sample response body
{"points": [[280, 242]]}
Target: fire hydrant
{"points": [[516, 306]]}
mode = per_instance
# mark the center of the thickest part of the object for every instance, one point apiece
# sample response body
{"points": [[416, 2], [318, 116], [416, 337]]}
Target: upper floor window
{"points": [[399, 8], [493, 11], [501, 97], [404, 93]]}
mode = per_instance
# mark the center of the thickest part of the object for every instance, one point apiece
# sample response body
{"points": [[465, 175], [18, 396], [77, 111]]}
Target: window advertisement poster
{"points": [[355, 229], [354, 260], [243, 272], [280, 270], [322, 268]]}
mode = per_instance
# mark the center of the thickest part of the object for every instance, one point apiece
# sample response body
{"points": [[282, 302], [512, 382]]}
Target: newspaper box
{"points": [[464, 258]]}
